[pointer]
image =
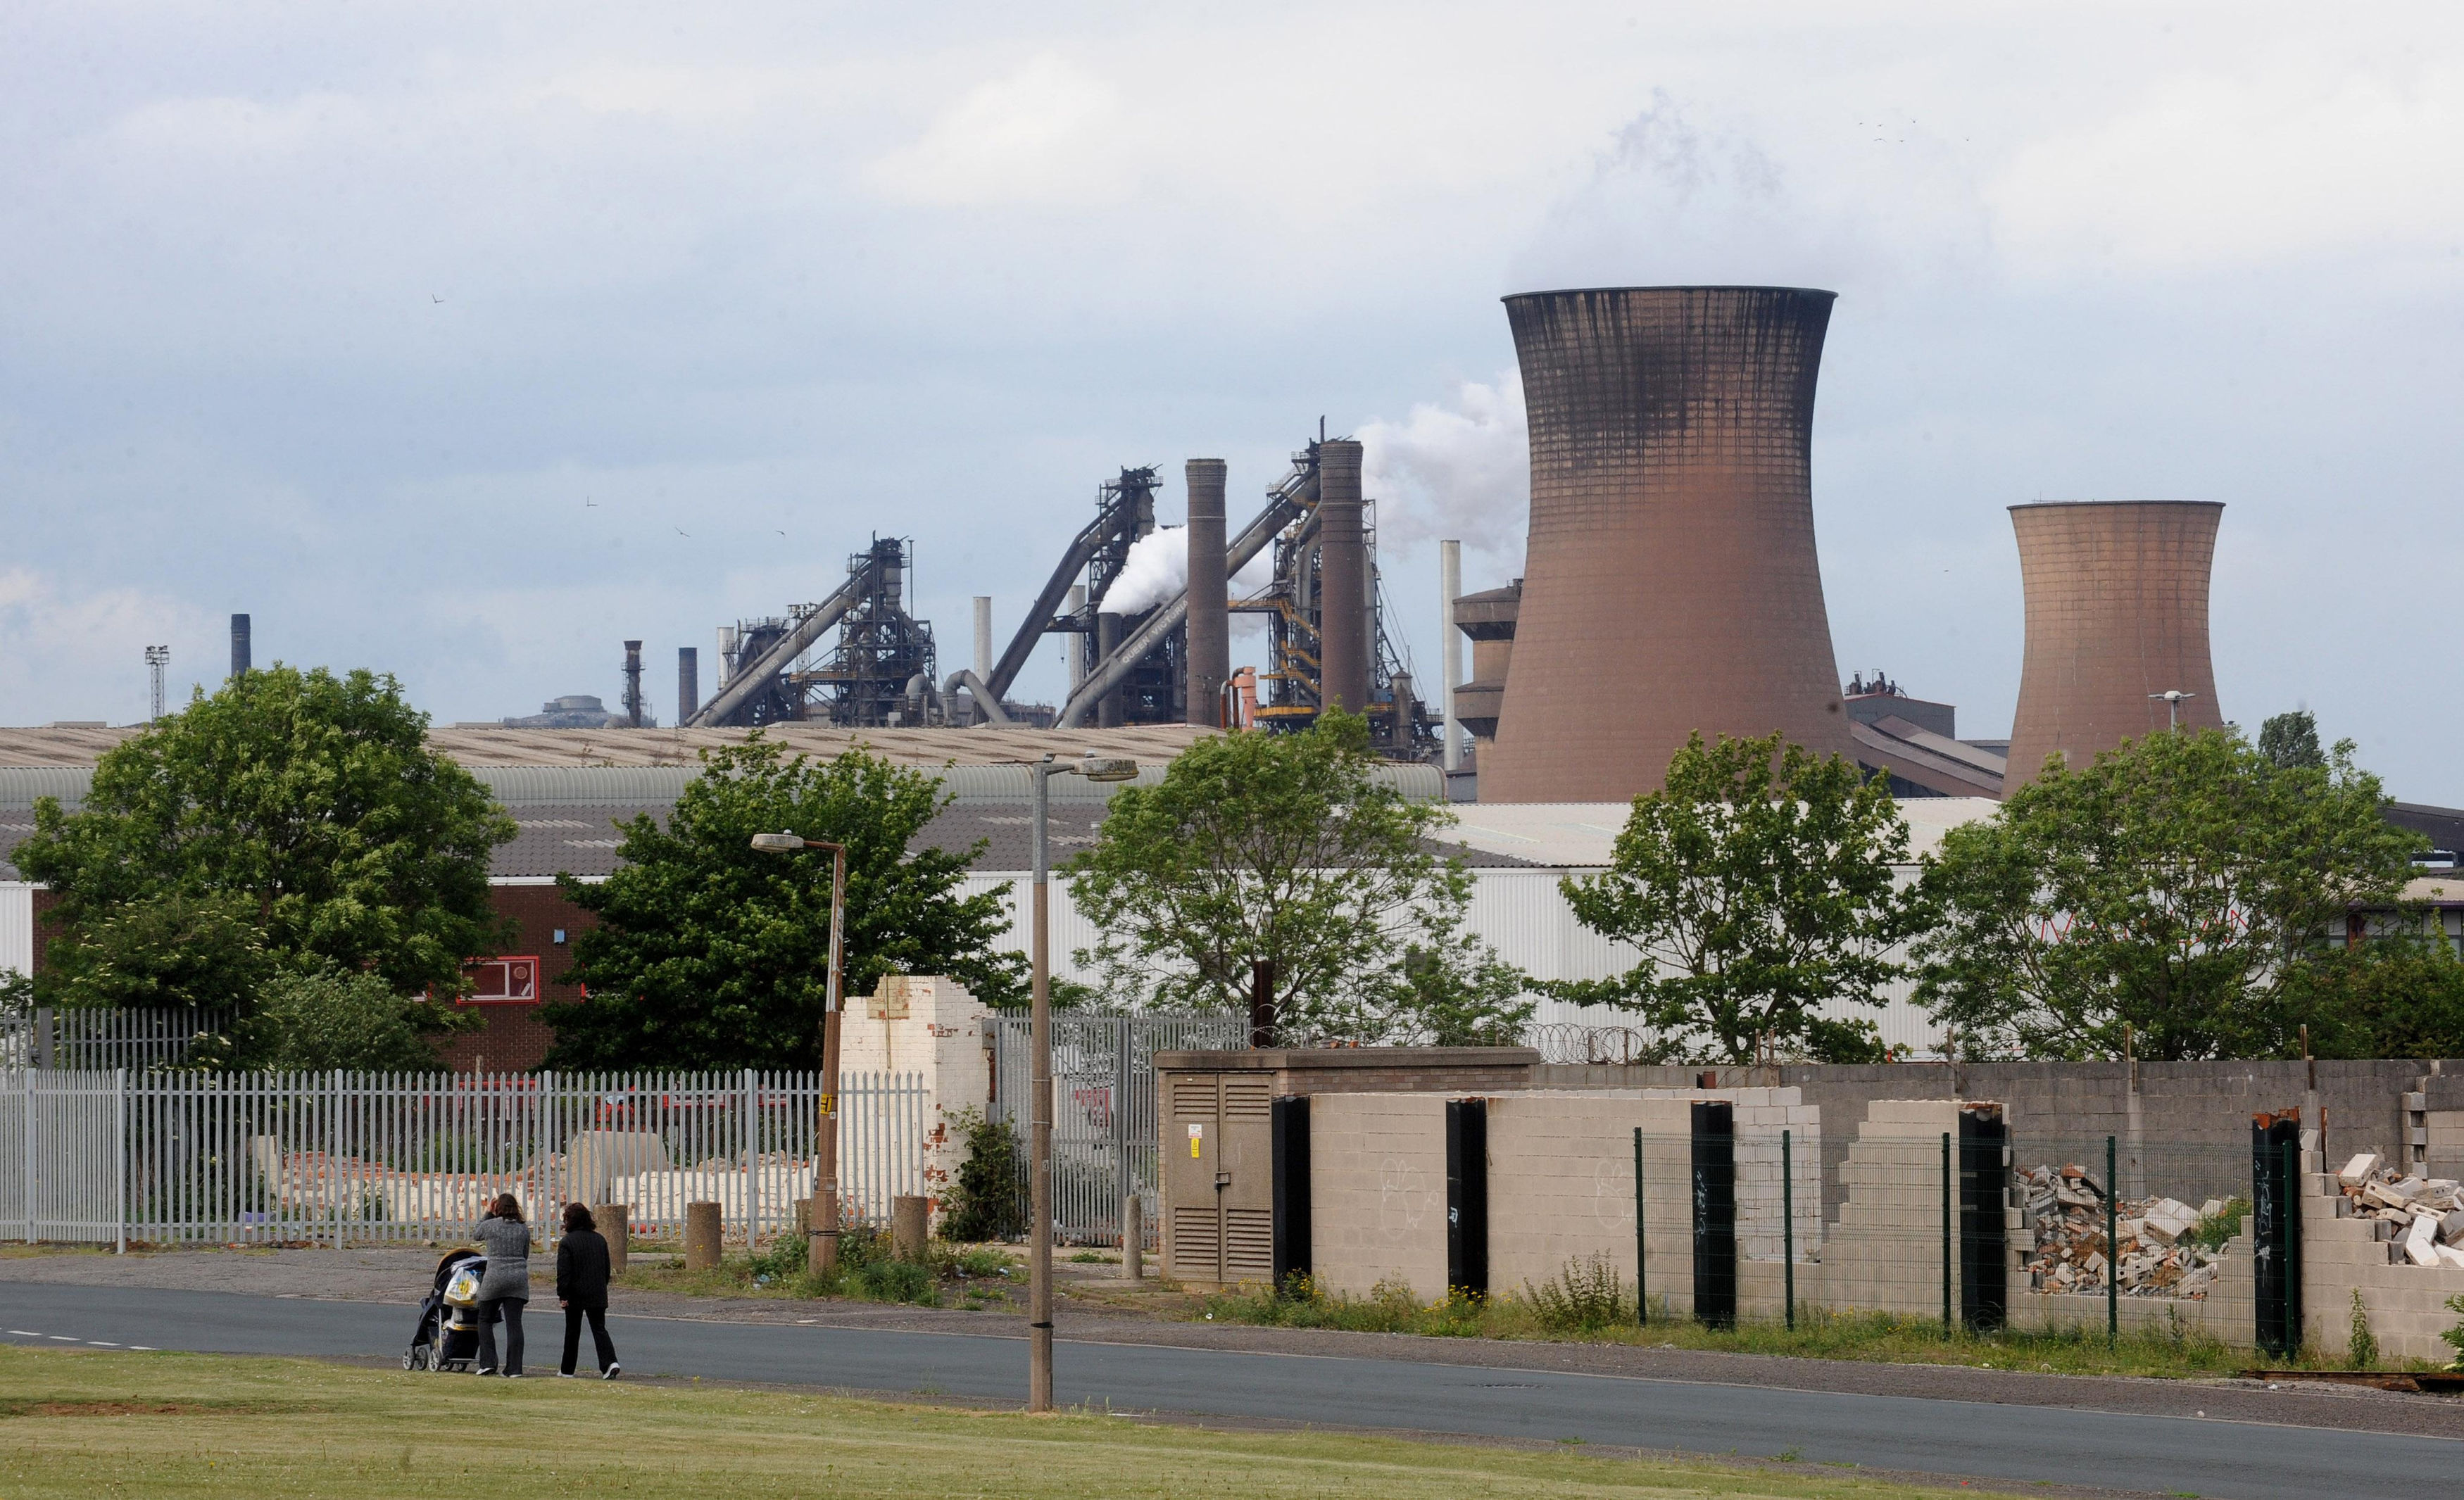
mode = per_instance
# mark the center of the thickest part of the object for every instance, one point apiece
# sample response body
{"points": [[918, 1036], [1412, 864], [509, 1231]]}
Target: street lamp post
{"points": [[1039, 1136], [2172, 697], [821, 1230]]}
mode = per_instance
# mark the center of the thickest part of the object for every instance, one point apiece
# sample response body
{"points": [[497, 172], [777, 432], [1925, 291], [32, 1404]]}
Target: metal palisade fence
{"points": [[1104, 1107], [357, 1159], [102, 1039]]}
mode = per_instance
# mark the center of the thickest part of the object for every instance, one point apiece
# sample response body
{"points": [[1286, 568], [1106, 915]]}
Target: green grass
{"points": [[972, 1274], [1819, 1334], [83, 1426]]}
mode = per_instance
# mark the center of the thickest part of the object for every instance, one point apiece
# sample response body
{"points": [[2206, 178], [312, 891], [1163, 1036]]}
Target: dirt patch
{"points": [[35, 1408]]}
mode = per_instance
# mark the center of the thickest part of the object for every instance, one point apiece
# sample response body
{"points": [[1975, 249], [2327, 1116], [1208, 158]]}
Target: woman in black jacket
{"points": [[582, 1290]]}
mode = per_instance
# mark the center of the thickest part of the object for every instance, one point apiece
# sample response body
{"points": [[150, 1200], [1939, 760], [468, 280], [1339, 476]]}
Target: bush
{"points": [[2361, 1350], [2455, 1336], [894, 1280], [2217, 1230], [1586, 1297], [988, 1202]]}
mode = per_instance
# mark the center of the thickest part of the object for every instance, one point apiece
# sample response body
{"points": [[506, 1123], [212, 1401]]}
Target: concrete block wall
{"points": [[1561, 1189], [2228, 1314], [2407, 1303], [1377, 1192], [1884, 1251]]}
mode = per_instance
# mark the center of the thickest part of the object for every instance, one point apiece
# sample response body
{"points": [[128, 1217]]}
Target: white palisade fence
{"points": [[98, 1156]]}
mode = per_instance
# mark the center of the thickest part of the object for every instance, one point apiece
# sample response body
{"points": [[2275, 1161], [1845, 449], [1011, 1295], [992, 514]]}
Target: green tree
{"points": [[711, 955], [2177, 887], [2400, 993], [1759, 884], [292, 822], [319, 1021], [1280, 857], [2291, 739]]}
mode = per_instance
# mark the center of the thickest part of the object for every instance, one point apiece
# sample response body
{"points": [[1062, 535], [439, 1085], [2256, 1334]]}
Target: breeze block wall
{"points": [[1377, 1192]]}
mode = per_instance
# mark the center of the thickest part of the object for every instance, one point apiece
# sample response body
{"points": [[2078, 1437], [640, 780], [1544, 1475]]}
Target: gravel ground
{"points": [[1102, 1314]]}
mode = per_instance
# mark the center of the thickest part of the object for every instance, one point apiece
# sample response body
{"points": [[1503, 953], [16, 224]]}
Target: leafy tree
{"points": [[1280, 857], [319, 1021], [2178, 888], [1758, 883], [2397, 994], [711, 955], [291, 823], [987, 1202], [2292, 739]]}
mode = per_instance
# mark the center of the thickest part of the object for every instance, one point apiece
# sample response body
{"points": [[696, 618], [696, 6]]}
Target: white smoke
{"points": [[1158, 567], [1459, 468]]}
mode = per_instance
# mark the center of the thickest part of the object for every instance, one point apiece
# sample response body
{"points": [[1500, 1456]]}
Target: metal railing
{"points": [[101, 1040], [357, 1159], [1104, 1107]]}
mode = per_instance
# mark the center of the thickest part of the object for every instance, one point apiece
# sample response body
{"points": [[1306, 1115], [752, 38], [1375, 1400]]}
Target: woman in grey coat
{"points": [[507, 1242]]}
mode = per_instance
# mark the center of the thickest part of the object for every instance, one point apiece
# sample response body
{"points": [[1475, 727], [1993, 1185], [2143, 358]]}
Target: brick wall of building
{"points": [[514, 1038]]}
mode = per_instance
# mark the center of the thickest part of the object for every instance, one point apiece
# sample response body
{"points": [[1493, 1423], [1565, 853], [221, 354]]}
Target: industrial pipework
{"points": [[2116, 596], [1671, 546]]}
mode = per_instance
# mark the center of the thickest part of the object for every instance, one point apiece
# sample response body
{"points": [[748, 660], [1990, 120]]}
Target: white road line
{"points": [[61, 1337], [25, 1332], [99, 1344], [148, 1348]]}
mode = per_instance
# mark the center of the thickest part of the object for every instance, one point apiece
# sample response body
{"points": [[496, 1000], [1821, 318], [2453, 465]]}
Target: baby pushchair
{"points": [[448, 1320]]}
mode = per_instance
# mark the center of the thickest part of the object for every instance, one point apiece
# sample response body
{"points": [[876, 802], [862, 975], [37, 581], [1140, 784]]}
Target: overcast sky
{"points": [[463, 341]]}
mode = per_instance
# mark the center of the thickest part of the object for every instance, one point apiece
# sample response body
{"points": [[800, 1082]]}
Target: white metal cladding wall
{"points": [[342, 1159], [18, 926], [1520, 912]]}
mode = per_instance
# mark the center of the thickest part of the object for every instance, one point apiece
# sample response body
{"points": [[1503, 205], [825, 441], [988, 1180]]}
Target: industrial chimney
{"points": [[1670, 584], [2116, 602], [634, 684], [1343, 579], [688, 684], [239, 644], [1210, 618]]}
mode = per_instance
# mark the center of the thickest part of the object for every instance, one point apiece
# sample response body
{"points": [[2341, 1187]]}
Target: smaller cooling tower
{"points": [[2117, 605]]}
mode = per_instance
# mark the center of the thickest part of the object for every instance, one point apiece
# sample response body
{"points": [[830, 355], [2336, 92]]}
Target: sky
{"points": [[464, 343]]}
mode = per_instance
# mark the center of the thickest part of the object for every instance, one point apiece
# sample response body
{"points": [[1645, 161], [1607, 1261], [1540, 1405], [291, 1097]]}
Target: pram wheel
{"points": [[416, 1360]]}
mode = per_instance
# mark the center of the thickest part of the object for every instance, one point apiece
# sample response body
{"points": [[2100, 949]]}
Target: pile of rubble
{"points": [[2423, 1217], [2066, 1209]]}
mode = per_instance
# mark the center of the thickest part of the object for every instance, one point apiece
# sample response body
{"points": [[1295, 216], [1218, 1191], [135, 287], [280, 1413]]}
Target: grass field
{"points": [[82, 1426], [1819, 1334]]}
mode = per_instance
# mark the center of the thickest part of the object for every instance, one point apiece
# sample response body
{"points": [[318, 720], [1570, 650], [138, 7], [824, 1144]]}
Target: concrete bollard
{"points": [[911, 1220], [615, 1223], [701, 1237], [1133, 1239]]}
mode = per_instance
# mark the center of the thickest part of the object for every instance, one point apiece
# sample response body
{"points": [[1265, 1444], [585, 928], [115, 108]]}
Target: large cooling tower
{"points": [[2117, 601], [1670, 584]]}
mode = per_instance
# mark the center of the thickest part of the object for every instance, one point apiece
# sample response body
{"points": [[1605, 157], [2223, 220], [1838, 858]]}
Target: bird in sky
{"points": [[433, 298], [681, 532]]}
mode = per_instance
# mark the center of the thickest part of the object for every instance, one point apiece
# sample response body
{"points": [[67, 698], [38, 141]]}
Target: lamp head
{"points": [[1106, 768], [777, 843]]}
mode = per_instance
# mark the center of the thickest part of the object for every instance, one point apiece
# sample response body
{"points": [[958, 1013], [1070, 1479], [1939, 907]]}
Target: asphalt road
{"points": [[1992, 1442]]}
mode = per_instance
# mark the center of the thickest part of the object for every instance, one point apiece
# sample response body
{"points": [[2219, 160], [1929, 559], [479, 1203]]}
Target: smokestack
{"points": [[984, 637], [1449, 585], [1671, 561], [239, 644], [2116, 602], [1210, 615], [688, 684], [1108, 640], [1343, 577], [633, 683], [1073, 646]]}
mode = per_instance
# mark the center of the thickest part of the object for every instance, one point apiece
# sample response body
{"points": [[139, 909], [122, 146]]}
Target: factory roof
{"points": [[493, 745]]}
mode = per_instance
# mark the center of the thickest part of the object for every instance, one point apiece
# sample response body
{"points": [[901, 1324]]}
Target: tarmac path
{"points": [[1994, 1442]]}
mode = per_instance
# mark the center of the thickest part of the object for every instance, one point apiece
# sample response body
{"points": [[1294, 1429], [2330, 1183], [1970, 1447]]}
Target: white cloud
{"points": [[1050, 132], [1459, 468], [70, 654]]}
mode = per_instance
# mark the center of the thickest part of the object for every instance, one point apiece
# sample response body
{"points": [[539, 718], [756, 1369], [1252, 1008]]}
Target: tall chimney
{"points": [[1671, 561], [1210, 615], [1449, 585], [1073, 646], [1343, 579], [984, 637], [239, 644], [633, 683], [688, 684], [2116, 602], [1109, 630]]}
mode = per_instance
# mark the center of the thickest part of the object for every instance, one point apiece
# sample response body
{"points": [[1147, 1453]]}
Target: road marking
{"points": [[61, 1337], [148, 1348], [99, 1344], [25, 1332]]}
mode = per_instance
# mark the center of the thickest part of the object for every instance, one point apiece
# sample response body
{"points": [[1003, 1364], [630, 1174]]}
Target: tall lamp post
{"points": [[1039, 1142], [822, 1227], [2173, 697]]}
